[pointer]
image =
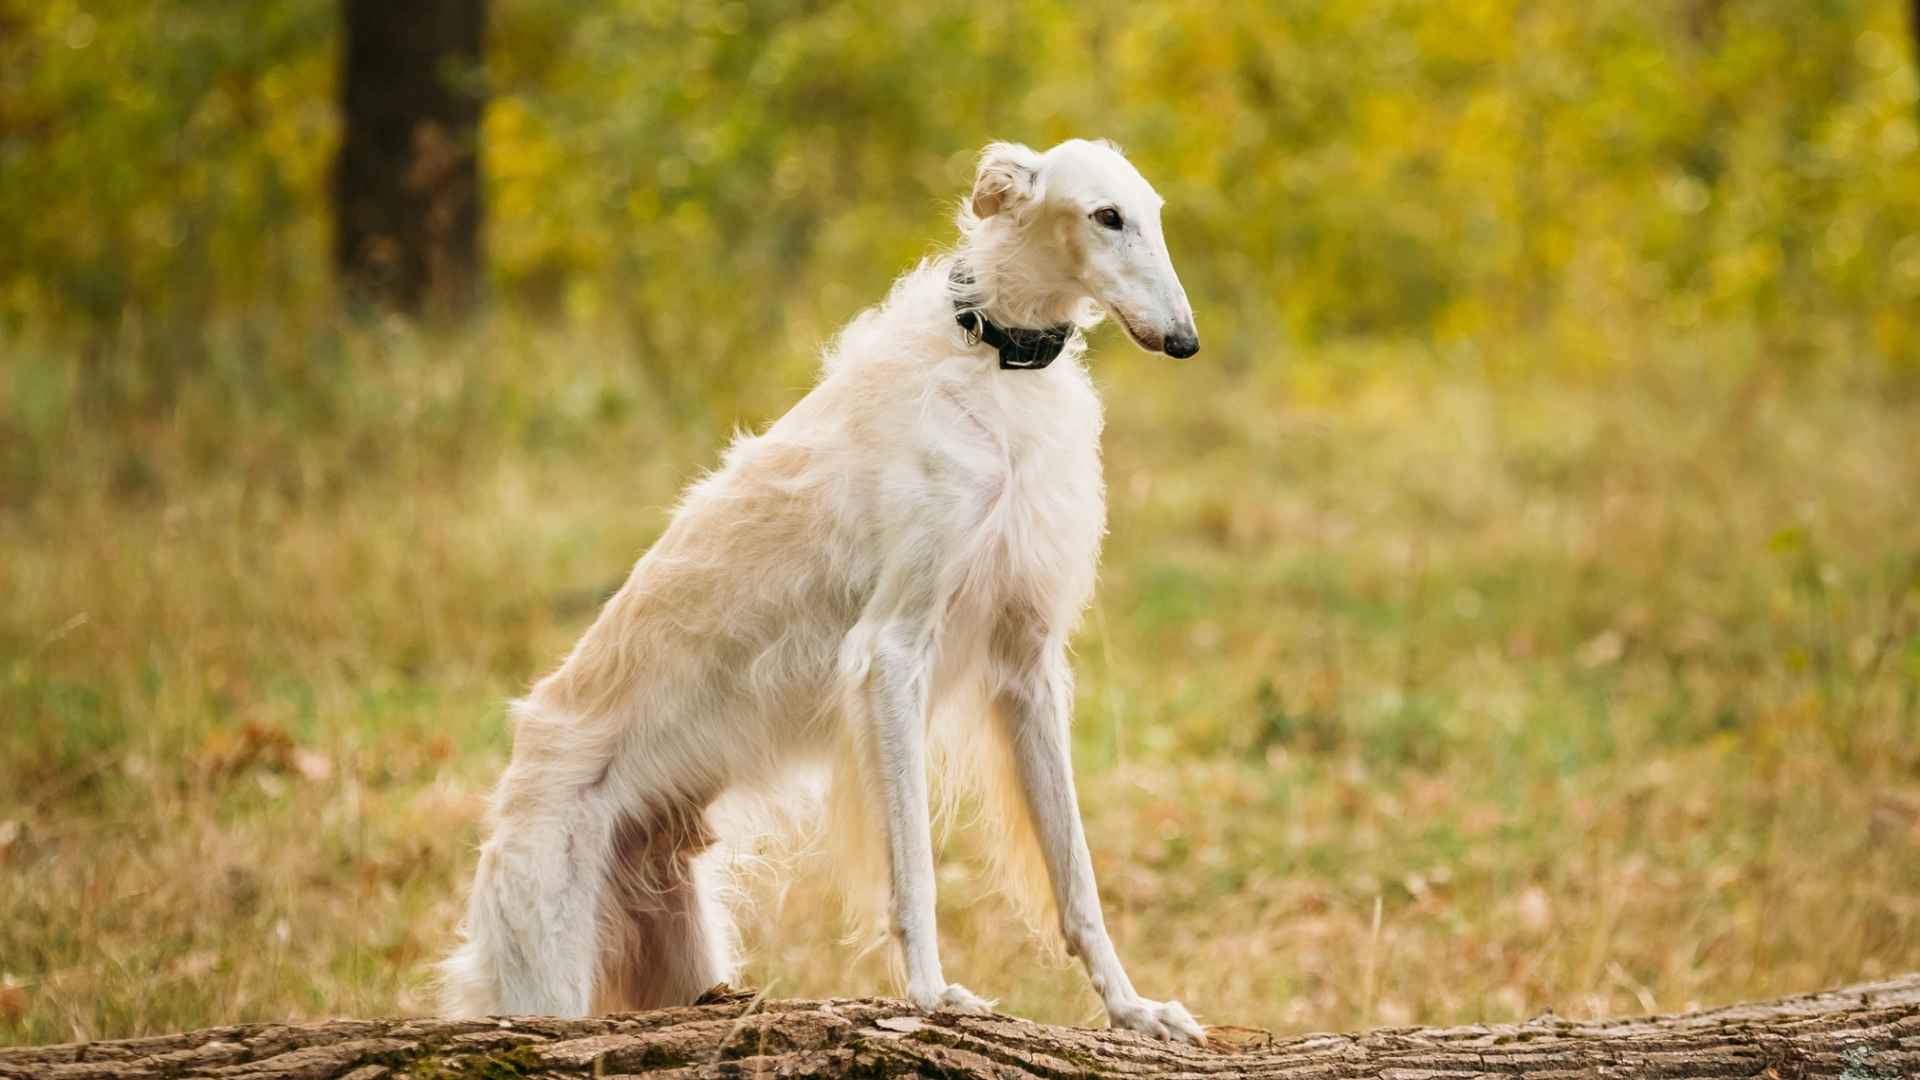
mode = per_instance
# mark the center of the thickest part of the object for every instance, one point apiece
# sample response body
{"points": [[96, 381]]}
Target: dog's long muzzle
{"points": [[1183, 341]]}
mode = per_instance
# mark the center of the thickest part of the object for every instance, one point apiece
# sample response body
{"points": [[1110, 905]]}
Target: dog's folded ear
{"points": [[1009, 175]]}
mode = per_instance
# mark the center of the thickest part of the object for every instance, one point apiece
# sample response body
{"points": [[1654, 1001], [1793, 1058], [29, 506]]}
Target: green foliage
{"points": [[161, 158], [725, 182]]}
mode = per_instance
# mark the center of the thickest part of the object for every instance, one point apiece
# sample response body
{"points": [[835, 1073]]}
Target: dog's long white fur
{"points": [[893, 566]]}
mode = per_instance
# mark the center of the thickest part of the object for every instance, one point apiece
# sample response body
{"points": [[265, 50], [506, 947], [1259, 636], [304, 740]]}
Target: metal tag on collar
{"points": [[972, 328], [1019, 349]]}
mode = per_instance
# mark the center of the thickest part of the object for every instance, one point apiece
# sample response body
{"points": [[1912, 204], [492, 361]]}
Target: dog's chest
{"points": [[1045, 499]]}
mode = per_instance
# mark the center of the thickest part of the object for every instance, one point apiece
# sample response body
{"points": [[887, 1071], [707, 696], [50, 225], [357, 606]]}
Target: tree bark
{"points": [[407, 181], [1868, 1032]]}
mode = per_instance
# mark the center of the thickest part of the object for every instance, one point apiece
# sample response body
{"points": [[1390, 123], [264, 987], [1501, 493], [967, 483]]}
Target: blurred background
{"points": [[1516, 605]]}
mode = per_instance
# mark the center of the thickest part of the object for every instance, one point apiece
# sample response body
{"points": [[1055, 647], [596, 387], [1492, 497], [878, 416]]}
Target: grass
{"points": [[1419, 688]]}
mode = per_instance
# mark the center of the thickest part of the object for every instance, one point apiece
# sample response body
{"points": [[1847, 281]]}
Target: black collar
{"points": [[1020, 349]]}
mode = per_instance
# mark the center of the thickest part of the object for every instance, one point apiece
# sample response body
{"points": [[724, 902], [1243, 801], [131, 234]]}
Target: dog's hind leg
{"points": [[666, 936]]}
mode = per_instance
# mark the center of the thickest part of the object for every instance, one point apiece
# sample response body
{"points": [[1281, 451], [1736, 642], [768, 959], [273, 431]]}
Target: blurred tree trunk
{"points": [[407, 182]]}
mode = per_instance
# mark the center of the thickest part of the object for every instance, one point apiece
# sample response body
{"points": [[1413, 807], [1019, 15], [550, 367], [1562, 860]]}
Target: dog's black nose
{"points": [[1182, 344]]}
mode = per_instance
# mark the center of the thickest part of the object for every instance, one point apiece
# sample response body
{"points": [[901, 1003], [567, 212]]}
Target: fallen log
{"points": [[1866, 1032]]}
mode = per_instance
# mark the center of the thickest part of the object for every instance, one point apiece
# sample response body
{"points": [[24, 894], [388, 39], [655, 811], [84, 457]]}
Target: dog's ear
{"points": [[1009, 175]]}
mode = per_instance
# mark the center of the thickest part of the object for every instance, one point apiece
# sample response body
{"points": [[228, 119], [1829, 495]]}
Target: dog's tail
{"points": [[467, 983], [991, 782], [529, 942]]}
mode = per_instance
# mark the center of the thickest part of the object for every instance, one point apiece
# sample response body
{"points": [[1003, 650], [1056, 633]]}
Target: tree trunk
{"points": [[1869, 1032], [407, 182]]}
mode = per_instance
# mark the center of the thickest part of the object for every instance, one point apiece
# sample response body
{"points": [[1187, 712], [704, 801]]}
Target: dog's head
{"points": [[1079, 222]]}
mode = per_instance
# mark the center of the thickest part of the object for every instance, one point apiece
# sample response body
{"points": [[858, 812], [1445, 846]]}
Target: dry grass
{"points": [[1415, 691]]}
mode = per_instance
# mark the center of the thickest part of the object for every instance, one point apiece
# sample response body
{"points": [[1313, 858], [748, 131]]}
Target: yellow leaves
{"points": [[300, 131], [228, 751], [1474, 31], [534, 186], [1466, 318], [690, 222], [1685, 193], [520, 156], [1741, 273], [1363, 168]]}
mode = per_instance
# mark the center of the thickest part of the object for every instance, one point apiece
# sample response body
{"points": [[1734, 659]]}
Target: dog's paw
{"points": [[1162, 1020], [951, 998]]}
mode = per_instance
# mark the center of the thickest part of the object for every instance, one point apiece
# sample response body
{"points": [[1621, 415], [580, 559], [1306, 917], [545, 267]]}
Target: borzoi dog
{"points": [[893, 566]]}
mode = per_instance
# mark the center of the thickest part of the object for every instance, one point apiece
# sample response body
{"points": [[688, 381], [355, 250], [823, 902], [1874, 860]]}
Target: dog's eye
{"points": [[1108, 217]]}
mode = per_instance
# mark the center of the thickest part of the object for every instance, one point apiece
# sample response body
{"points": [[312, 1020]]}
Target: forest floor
{"points": [[1415, 690]]}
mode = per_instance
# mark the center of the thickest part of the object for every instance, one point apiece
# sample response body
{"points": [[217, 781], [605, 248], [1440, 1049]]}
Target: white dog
{"points": [[894, 565]]}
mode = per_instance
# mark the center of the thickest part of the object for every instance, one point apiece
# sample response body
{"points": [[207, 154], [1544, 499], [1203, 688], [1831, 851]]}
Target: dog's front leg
{"points": [[897, 698], [1039, 706]]}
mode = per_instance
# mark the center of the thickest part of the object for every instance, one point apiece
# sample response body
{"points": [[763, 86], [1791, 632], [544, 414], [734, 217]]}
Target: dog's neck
{"points": [[1021, 348]]}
